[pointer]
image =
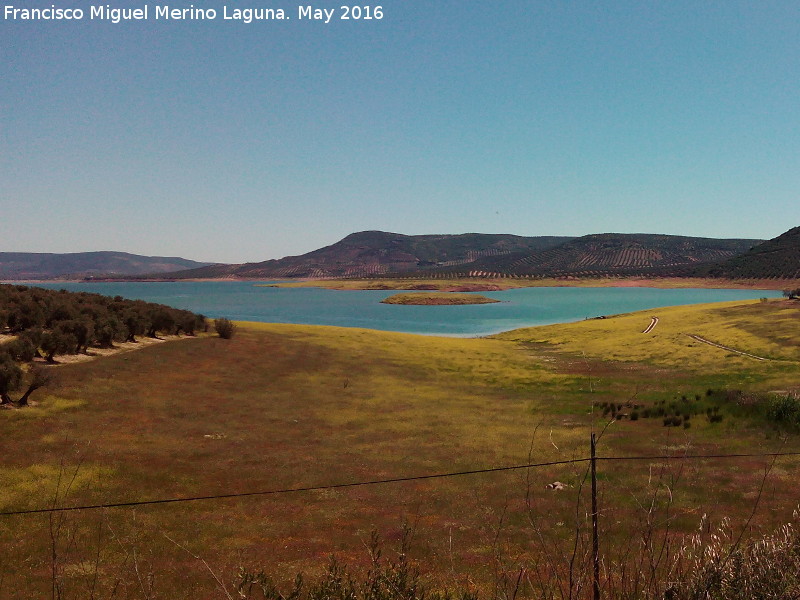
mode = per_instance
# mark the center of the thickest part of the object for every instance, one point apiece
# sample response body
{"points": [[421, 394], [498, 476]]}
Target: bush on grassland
{"points": [[224, 328]]}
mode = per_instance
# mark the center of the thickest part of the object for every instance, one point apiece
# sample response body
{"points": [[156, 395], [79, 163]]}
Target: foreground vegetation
{"points": [[705, 565], [280, 407]]}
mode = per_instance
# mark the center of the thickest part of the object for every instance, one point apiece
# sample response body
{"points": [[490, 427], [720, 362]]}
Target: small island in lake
{"points": [[438, 299]]}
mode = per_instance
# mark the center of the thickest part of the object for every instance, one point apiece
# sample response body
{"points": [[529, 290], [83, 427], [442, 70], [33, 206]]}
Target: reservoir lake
{"points": [[523, 307]]}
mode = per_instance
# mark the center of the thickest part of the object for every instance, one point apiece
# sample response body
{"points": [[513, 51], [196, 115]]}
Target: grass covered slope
{"points": [[769, 330], [283, 406], [275, 407]]}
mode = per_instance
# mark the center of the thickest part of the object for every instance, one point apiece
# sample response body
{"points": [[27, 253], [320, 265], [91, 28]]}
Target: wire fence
{"points": [[391, 480]]}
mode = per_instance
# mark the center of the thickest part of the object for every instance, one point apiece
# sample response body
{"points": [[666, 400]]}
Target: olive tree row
{"points": [[47, 323], [60, 322]]}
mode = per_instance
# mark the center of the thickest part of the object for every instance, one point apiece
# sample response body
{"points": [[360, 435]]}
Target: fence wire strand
{"points": [[371, 482]]}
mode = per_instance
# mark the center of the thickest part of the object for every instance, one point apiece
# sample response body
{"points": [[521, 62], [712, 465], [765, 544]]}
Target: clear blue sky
{"points": [[235, 142]]}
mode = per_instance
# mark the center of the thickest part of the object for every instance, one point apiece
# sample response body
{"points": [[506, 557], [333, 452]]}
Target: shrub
{"points": [[225, 328], [785, 410]]}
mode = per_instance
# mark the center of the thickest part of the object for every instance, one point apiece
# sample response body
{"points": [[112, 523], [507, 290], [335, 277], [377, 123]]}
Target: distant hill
{"points": [[379, 253], [610, 254], [35, 265], [375, 253], [776, 258]]}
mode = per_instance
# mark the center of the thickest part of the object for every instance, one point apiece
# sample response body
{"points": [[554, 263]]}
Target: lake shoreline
{"points": [[482, 285], [457, 285]]}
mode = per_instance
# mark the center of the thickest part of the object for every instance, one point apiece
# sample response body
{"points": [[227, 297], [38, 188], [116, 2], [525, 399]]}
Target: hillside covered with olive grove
{"points": [[39, 325]]}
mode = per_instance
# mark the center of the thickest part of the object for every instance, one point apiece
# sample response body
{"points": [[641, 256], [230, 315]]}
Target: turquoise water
{"points": [[519, 308]]}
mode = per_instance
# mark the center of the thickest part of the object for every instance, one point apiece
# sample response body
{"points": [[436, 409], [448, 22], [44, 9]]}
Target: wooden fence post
{"points": [[595, 535]]}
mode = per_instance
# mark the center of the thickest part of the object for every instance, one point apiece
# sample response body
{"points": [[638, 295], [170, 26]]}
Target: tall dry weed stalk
{"points": [[717, 566], [393, 579]]}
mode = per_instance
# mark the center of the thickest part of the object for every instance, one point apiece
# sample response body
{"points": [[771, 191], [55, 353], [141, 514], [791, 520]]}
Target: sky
{"points": [[218, 140]]}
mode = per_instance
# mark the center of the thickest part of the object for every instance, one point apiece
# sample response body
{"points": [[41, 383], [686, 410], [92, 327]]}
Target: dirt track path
{"points": [[710, 343], [653, 323], [119, 348]]}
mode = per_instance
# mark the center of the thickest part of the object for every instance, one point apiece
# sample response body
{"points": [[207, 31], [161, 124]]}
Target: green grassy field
{"points": [[284, 406]]}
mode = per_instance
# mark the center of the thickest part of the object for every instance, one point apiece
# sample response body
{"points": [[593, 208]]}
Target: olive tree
{"points": [[10, 377], [39, 377]]}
